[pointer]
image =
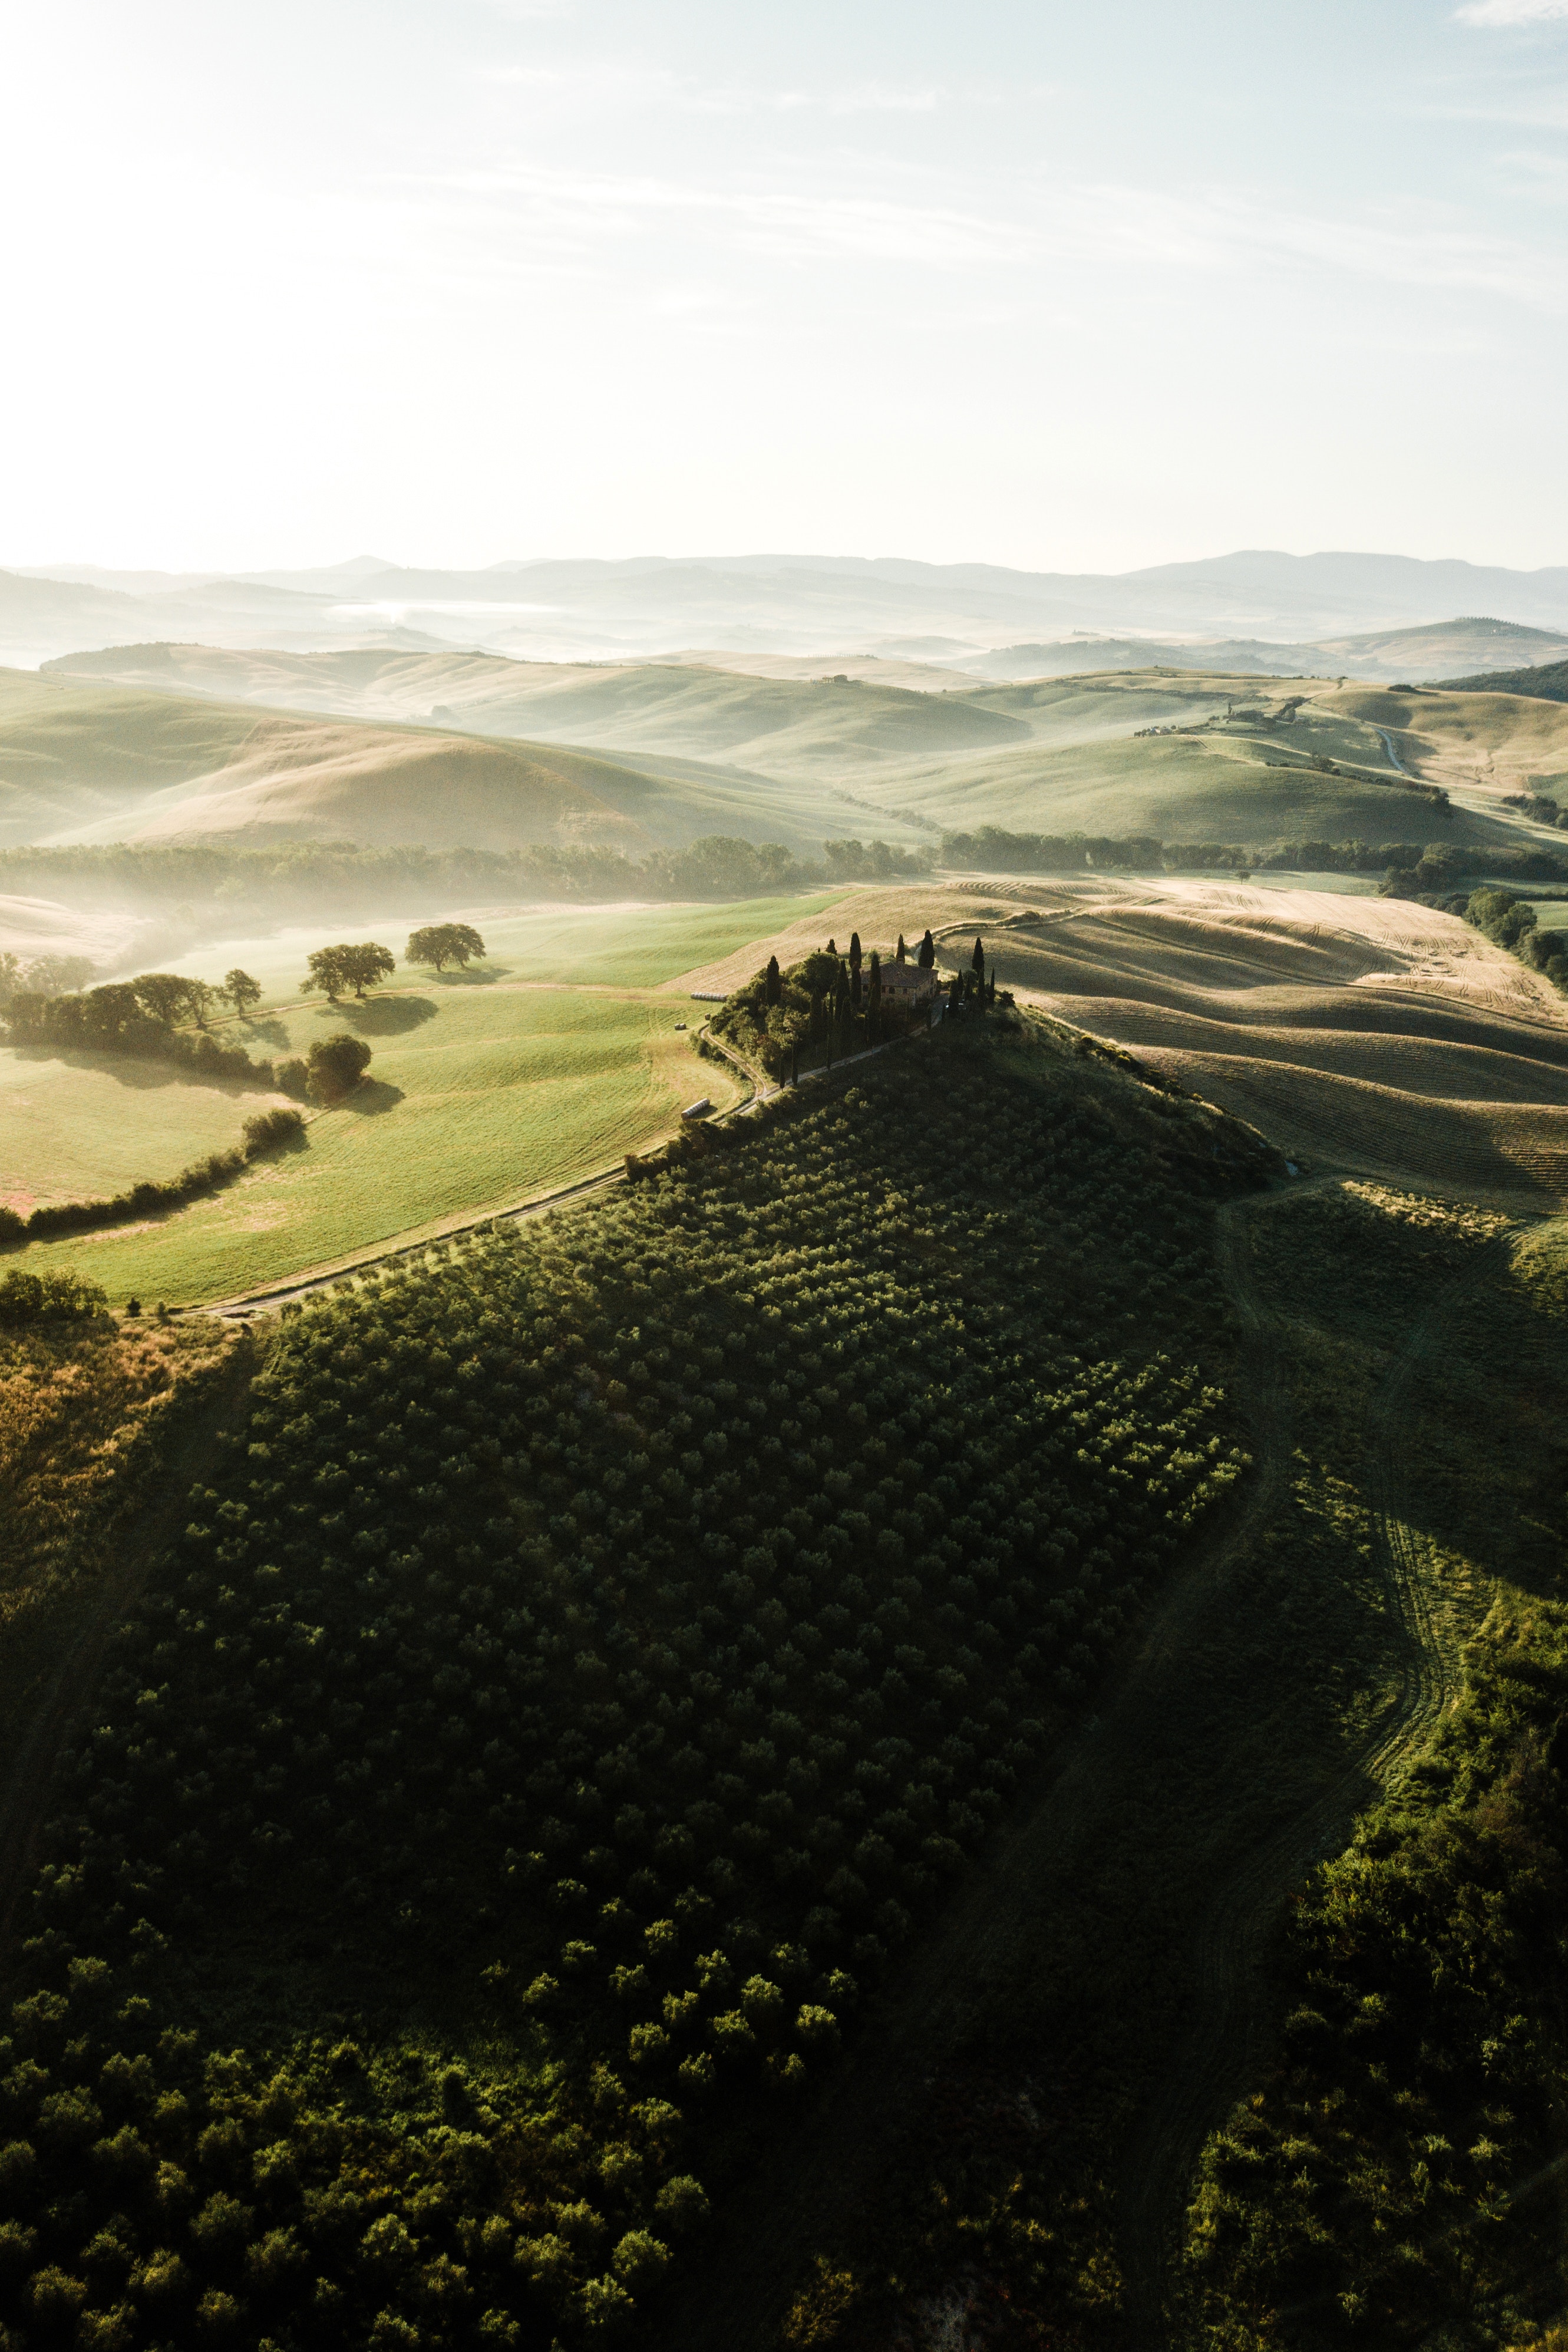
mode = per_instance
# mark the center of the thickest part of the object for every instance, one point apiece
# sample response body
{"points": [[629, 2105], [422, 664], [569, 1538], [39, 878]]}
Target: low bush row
{"points": [[264, 1131]]}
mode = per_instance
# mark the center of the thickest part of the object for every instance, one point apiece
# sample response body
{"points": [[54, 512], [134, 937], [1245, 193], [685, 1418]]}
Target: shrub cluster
{"points": [[30, 1298], [1390, 2184], [334, 1066], [116, 1019], [264, 1130], [630, 1623]]}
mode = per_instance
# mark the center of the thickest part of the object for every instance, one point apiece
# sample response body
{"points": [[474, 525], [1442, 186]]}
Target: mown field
{"points": [[484, 1087]]}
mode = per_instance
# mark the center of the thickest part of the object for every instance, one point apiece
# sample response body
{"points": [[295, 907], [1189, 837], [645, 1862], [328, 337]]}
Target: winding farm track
{"points": [[1223, 2049], [271, 1301]]}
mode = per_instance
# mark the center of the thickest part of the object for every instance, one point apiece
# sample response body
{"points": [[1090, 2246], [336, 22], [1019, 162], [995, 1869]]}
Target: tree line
{"points": [[307, 877]]}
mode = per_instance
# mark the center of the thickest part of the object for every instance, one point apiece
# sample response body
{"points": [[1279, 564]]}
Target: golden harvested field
{"points": [[1367, 1034], [1479, 745]]}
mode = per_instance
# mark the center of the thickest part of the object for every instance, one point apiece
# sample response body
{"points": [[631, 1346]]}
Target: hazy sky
{"points": [[1057, 285]]}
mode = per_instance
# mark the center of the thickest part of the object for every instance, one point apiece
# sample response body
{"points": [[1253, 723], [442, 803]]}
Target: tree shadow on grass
{"points": [[371, 1098], [271, 1031], [459, 978], [379, 1016], [143, 1074]]}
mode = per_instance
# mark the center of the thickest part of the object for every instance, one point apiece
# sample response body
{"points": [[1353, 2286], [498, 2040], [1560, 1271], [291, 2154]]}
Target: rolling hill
{"points": [[81, 763], [1478, 742], [388, 747], [1185, 755], [1431, 652], [782, 727]]}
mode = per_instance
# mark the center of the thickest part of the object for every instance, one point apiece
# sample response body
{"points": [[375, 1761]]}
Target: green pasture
{"points": [[80, 1125], [472, 1102], [1220, 787], [541, 1064], [574, 947]]}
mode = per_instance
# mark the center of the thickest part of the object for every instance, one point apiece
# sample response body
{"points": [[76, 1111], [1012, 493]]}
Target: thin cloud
{"points": [[579, 218], [1512, 12]]}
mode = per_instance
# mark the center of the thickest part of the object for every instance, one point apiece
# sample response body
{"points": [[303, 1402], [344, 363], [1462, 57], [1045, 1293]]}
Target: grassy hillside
{"points": [[1481, 742], [779, 726], [1178, 788], [1438, 647], [846, 756], [70, 754], [89, 763], [1432, 651], [1184, 758], [576, 1695]]}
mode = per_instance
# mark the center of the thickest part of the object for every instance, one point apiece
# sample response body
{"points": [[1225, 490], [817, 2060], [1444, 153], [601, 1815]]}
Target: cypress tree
{"points": [[927, 953], [978, 962], [773, 987], [874, 999], [902, 951], [855, 970]]}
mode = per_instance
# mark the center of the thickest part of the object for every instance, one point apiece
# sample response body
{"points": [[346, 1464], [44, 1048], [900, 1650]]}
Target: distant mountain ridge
{"points": [[573, 609]]}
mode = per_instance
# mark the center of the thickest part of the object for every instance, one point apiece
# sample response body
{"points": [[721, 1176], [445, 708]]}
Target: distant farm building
{"points": [[908, 983]]}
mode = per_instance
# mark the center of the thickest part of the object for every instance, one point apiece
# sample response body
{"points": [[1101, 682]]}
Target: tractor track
{"points": [[1224, 2045]]}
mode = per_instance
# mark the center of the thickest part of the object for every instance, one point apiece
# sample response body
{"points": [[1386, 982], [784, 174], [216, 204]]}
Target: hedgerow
{"points": [[604, 1644], [261, 1132]]}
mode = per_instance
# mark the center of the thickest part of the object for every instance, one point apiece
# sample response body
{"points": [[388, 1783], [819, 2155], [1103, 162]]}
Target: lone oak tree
{"points": [[443, 943], [241, 991]]}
